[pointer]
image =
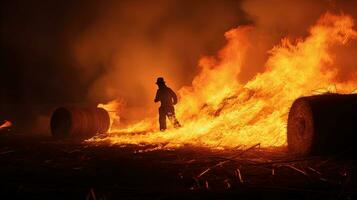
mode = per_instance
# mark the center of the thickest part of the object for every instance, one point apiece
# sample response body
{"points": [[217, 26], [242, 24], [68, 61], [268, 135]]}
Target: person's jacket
{"points": [[166, 96]]}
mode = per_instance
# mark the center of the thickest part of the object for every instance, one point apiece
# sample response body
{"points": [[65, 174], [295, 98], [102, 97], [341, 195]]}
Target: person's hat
{"points": [[160, 80]]}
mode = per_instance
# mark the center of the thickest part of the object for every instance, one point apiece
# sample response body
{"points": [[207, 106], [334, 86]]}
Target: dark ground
{"points": [[40, 167]]}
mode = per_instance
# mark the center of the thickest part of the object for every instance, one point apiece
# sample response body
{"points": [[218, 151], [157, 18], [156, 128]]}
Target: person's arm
{"points": [[174, 96], [156, 96]]}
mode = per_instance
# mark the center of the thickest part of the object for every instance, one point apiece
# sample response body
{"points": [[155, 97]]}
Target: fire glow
{"points": [[6, 124], [218, 111]]}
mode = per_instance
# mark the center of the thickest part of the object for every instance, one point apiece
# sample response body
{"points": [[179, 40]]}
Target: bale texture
{"points": [[79, 122], [322, 124]]}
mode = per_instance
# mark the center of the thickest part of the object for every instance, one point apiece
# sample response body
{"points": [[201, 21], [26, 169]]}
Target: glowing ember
{"points": [[218, 111], [5, 125]]}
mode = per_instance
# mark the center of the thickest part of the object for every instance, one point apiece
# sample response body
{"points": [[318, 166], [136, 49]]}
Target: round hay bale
{"points": [[79, 122], [322, 124]]}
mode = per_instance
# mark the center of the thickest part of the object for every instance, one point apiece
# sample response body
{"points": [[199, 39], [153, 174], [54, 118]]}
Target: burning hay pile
{"points": [[219, 111]]}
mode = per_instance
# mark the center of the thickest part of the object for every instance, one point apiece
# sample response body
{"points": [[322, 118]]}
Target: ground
{"points": [[41, 167]]}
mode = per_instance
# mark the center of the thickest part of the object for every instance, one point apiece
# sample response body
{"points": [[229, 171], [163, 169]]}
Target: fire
{"points": [[5, 125], [218, 111], [113, 109]]}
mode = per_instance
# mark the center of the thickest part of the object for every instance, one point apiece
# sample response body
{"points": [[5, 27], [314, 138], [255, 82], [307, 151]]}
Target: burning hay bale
{"points": [[79, 122], [322, 124]]}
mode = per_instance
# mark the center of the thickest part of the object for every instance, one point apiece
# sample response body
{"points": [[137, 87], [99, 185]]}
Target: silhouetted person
{"points": [[168, 99]]}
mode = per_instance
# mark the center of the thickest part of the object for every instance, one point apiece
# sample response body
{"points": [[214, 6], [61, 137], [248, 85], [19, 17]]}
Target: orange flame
{"points": [[6, 124], [113, 109], [218, 111]]}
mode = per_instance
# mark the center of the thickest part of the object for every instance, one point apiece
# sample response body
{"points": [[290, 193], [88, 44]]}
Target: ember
{"points": [[6, 124]]}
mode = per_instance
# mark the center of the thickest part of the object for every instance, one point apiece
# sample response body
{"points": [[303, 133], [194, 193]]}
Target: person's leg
{"points": [[162, 118], [172, 117]]}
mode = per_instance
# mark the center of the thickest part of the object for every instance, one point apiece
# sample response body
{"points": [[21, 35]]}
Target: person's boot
{"points": [[177, 124], [174, 121]]}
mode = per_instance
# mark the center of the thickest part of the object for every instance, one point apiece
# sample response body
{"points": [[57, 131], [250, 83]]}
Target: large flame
{"points": [[218, 111]]}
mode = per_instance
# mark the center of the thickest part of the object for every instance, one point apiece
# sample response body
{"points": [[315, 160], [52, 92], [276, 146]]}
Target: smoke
{"points": [[88, 52], [277, 19], [134, 42], [272, 21]]}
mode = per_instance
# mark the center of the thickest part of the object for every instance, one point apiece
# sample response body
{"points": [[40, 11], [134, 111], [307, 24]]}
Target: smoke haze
{"points": [[88, 52]]}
